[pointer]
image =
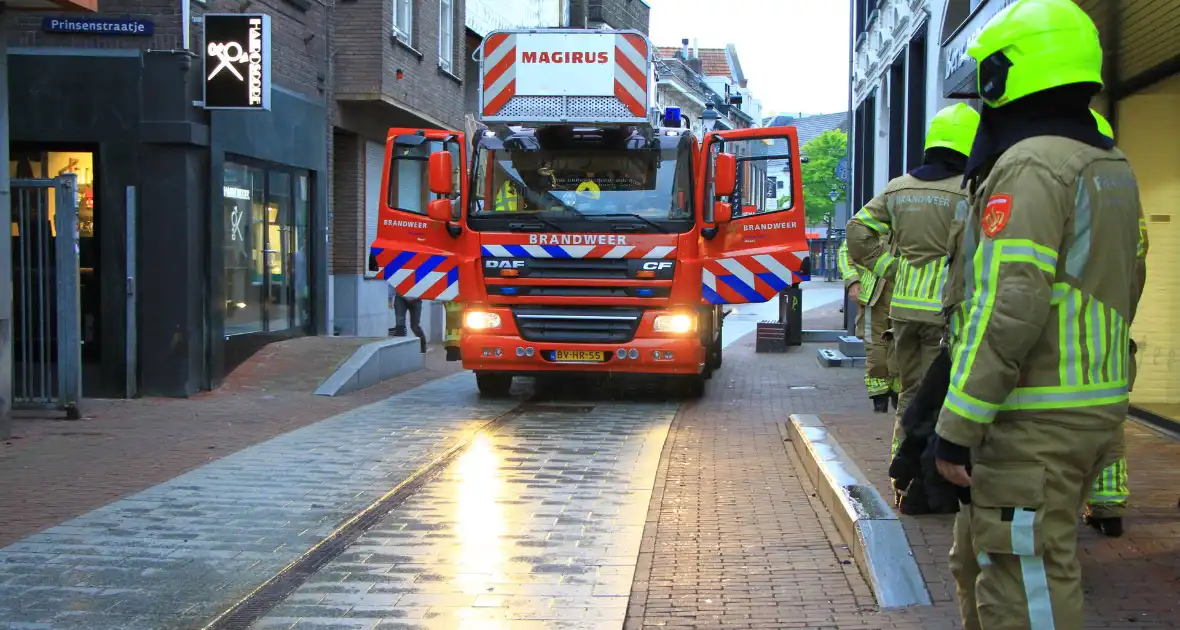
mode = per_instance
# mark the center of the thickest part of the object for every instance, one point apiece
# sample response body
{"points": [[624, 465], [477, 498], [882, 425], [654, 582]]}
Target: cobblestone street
{"points": [[579, 507]]}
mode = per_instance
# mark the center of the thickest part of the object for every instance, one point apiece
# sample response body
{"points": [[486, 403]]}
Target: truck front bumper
{"points": [[511, 354]]}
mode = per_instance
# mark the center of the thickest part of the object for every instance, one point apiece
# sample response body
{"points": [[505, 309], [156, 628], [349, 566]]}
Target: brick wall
{"points": [[621, 14], [298, 36], [348, 202], [368, 58]]}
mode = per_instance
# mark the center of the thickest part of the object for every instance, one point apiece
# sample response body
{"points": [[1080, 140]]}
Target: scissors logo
{"points": [[228, 55]]}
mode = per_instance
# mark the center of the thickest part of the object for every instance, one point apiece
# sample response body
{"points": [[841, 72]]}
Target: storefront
{"points": [[1142, 101], [217, 208]]}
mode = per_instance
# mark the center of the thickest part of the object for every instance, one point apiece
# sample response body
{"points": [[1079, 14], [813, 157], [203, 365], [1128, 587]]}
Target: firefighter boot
{"points": [[1111, 526], [881, 403]]}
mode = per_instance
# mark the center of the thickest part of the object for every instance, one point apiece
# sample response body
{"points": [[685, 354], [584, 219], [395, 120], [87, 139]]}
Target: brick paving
{"points": [[735, 537], [53, 470]]}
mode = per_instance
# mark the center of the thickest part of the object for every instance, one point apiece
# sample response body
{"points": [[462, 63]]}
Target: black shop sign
{"points": [[237, 61]]}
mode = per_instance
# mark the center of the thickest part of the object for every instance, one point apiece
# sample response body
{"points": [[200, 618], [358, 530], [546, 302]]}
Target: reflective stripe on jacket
{"points": [[918, 215], [1050, 271]]}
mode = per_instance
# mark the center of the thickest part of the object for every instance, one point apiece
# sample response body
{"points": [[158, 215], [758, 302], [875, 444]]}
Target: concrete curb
{"points": [[865, 519], [373, 363]]}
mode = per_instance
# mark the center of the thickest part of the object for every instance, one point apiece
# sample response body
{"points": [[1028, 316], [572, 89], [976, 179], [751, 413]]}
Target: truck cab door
{"points": [[421, 241], [754, 241]]}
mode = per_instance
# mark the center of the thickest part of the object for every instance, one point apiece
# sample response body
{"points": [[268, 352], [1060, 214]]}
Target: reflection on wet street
{"points": [[536, 523], [535, 526]]}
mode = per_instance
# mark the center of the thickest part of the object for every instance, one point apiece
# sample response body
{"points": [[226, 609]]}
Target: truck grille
{"points": [[577, 324], [569, 268], [579, 291]]}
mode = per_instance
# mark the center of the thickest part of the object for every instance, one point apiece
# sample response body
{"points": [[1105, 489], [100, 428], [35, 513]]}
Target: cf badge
{"points": [[657, 265]]}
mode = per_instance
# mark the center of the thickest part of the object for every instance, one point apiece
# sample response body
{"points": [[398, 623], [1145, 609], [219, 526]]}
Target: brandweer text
{"points": [[577, 239]]}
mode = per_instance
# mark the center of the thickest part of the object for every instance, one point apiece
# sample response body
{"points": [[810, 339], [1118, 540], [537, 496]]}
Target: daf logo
{"points": [[657, 266], [503, 264]]}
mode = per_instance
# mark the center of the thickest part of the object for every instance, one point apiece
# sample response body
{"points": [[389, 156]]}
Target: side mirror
{"points": [[439, 209], [441, 174], [724, 174], [722, 212]]}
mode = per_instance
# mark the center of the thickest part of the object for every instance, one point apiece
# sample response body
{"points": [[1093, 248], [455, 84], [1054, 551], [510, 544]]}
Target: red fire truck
{"points": [[581, 229]]}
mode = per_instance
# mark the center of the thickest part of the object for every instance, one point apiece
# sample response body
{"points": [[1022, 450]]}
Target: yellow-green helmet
{"points": [[1103, 125], [1035, 45], [953, 128]]}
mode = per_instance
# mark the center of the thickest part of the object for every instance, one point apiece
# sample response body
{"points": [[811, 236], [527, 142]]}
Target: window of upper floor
{"points": [[446, 35], [403, 21]]}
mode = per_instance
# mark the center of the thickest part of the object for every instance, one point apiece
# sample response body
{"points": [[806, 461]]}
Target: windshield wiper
{"points": [[541, 224], [627, 215]]}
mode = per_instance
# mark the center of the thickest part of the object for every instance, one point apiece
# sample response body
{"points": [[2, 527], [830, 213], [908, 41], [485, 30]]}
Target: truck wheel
{"points": [[493, 385], [692, 386], [715, 354]]}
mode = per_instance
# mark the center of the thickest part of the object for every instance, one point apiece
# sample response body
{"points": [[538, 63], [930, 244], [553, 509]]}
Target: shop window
{"points": [[266, 250], [39, 164]]}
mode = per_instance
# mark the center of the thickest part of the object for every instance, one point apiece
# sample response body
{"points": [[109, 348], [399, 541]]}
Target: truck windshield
{"points": [[581, 189]]}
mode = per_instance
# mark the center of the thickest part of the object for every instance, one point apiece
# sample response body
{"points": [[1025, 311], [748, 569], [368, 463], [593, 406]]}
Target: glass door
{"points": [[279, 251], [266, 251], [244, 189]]}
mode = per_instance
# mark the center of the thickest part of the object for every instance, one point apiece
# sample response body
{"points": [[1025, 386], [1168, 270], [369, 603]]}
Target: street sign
{"points": [[842, 169], [97, 26], [237, 61]]}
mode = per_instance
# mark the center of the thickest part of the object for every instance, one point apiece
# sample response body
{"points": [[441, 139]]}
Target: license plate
{"points": [[578, 356]]}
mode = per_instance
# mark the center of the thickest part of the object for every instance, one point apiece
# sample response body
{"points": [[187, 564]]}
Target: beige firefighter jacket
{"points": [[1043, 289], [918, 214]]}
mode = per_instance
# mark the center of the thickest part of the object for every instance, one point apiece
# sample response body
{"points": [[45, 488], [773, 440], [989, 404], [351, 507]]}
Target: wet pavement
{"points": [[536, 525], [179, 553], [536, 522]]}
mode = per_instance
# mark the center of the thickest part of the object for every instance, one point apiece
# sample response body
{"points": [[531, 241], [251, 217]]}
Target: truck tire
{"points": [[716, 350], [493, 384], [692, 386]]}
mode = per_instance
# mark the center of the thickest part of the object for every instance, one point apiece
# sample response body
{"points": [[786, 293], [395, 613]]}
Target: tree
{"points": [[823, 154]]}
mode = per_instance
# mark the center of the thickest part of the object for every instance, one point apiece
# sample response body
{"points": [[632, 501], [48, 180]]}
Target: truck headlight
{"points": [[680, 323], [481, 320]]}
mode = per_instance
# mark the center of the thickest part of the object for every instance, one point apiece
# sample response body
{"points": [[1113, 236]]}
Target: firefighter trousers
{"points": [[1014, 556], [915, 345], [879, 371], [1109, 494]]}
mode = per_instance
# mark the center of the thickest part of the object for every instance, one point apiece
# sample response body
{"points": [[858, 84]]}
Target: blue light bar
{"points": [[645, 292], [507, 290], [672, 117]]}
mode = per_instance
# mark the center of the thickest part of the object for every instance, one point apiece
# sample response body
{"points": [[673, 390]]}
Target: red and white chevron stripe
{"points": [[631, 53], [499, 72]]}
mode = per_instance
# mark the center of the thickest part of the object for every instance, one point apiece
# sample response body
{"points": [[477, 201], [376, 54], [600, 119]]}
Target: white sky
{"points": [[793, 52]]}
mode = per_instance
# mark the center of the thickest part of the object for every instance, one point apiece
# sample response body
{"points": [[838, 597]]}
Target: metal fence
{"points": [[47, 349]]}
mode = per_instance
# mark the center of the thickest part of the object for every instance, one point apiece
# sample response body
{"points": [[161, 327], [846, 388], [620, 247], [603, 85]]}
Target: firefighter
{"points": [[873, 298], [1047, 279], [918, 209], [453, 326], [506, 199], [1108, 498], [851, 275]]}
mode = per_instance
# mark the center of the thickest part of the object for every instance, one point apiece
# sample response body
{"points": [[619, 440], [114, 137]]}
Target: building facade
{"points": [[693, 79], [226, 211], [909, 60]]}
